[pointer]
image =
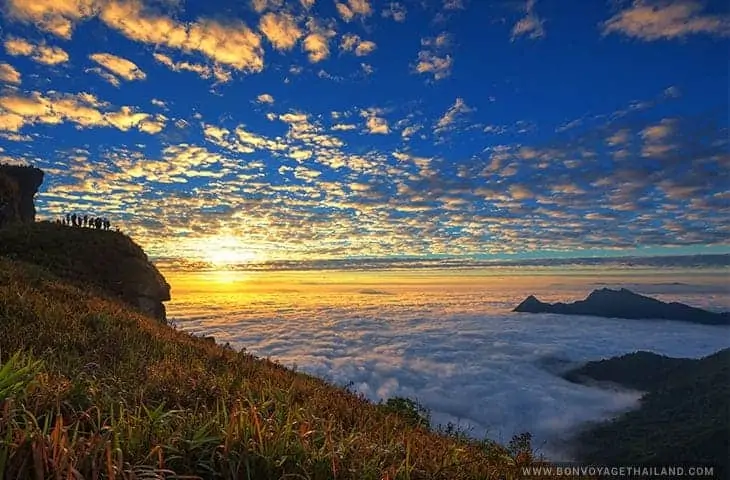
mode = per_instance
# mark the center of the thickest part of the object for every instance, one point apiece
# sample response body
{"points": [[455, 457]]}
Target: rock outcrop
{"points": [[108, 260], [624, 303], [18, 186]]}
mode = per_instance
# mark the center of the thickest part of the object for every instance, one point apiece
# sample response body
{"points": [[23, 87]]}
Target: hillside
{"points": [[639, 370], [93, 389], [684, 418]]}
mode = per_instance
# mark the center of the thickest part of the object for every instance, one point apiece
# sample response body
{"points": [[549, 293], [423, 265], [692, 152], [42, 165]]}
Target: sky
{"points": [[234, 132]]}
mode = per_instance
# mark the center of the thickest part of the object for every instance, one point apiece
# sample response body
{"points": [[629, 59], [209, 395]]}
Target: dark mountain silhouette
{"points": [[684, 419], [624, 303]]}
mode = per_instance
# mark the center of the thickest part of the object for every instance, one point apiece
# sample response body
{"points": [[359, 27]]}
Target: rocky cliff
{"points": [[109, 261], [18, 186]]}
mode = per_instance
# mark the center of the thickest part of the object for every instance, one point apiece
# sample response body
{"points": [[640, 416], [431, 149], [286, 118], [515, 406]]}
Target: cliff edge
{"points": [[108, 260], [18, 186]]}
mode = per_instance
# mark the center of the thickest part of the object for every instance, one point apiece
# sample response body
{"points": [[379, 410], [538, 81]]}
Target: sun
{"points": [[227, 250], [225, 256]]}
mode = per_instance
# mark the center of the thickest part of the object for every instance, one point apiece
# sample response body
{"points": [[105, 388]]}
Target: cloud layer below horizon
{"points": [[455, 348]]}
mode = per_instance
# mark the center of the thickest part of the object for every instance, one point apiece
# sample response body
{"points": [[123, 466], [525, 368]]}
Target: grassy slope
{"points": [[116, 394], [684, 418]]}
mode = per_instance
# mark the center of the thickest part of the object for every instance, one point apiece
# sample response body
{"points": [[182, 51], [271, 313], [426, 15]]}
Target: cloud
{"points": [[666, 19], [121, 67], [433, 59], [395, 10], [375, 123], [265, 98], [344, 127], [345, 12], [366, 47], [530, 24], [656, 138], [232, 44], [619, 137], [41, 53], [261, 6], [54, 16], [281, 30], [351, 42], [457, 111], [658, 132], [204, 71], [105, 75], [521, 192], [410, 130], [9, 74], [83, 110], [353, 8], [316, 43]]}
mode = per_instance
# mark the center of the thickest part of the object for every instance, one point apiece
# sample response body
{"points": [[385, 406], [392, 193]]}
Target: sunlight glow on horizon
{"points": [[226, 250]]}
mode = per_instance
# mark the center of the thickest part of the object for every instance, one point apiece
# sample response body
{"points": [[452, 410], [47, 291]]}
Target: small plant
{"points": [[17, 374], [410, 410]]}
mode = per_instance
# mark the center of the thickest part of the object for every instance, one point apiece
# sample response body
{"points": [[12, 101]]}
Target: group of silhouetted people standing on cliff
{"points": [[73, 220]]}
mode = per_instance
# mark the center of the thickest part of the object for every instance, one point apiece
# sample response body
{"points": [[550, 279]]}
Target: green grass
{"points": [[89, 388]]}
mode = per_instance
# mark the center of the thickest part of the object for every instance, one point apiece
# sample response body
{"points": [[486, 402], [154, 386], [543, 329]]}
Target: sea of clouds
{"points": [[492, 371]]}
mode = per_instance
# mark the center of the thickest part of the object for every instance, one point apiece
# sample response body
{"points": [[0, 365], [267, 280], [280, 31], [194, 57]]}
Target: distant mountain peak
{"points": [[623, 303]]}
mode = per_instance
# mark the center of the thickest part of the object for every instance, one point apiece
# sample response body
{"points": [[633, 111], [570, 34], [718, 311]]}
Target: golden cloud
{"points": [[81, 109], [9, 74], [280, 29], [204, 71], [232, 43], [41, 53], [119, 66], [54, 16], [439, 67], [655, 20], [351, 42], [265, 98]]}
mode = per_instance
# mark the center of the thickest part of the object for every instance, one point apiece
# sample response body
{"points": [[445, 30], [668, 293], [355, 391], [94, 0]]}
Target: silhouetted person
{"points": [[107, 224], [86, 220], [98, 223]]}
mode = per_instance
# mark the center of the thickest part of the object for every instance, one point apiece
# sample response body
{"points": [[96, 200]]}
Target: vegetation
{"points": [[90, 388], [685, 417], [639, 370]]}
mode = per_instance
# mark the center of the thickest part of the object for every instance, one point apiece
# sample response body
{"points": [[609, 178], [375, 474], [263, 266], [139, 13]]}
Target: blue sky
{"points": [[307, 129]]}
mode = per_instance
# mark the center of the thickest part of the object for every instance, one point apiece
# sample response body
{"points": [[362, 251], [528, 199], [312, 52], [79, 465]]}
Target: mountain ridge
{"points": [[623, 303]]}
